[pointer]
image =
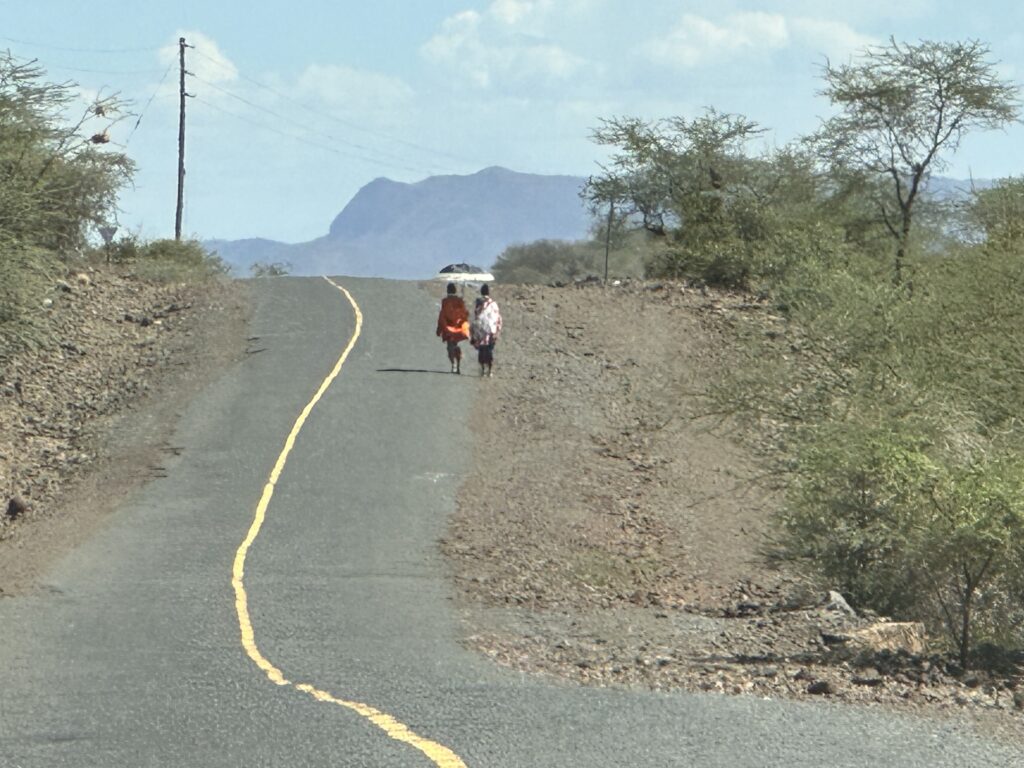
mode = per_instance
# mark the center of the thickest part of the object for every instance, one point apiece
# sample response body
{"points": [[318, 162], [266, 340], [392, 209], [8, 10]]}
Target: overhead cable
{"points": [[143, 112], [79, 50], [381, 158], [335, 118]]}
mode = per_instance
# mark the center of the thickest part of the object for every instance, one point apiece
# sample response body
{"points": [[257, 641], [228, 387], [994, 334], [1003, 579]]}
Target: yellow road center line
{"points": [[439, 754]]}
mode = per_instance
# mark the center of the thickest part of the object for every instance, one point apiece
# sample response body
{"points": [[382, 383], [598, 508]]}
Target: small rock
{"points": [[868, 676], [1018, 699], [836, 602], [972, 680], [831, 638], [822, 688], [896, 636], [16, 507]]}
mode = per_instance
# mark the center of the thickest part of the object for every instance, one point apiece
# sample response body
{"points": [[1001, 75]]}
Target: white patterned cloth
{"points": [[486, 322]]}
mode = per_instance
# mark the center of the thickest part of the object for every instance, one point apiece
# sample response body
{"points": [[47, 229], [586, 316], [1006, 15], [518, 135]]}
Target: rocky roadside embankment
{"points": [[85, 417]]}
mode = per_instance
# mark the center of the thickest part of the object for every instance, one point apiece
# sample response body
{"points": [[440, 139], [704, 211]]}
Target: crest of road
{"points": [[278, 598]]}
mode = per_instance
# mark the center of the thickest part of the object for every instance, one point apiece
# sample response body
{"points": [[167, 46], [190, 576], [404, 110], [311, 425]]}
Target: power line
{"points": [[78, 50], [279, 132], [297, 138], [59, 68], [143, 112], [381, 159], [335, 118], [272, 129]]}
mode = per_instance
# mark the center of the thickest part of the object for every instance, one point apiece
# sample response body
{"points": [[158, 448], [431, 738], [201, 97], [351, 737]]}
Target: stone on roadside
{"points": [[822, 688], [16, 507], [834, 601], [1018, 699], [907, 636], [869, 676]]}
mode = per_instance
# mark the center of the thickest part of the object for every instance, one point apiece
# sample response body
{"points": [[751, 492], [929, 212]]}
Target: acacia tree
{"points": [[57, 180], [667, 172], [687, 183], [903, 107], [996, 215], [56, 176]]}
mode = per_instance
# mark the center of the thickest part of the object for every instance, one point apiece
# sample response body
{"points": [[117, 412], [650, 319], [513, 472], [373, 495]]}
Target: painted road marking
{"points": [[439, 754]]}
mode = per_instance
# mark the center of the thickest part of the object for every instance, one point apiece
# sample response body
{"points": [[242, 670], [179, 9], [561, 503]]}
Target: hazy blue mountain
{"points": [[393, 229], [242, 253], [942, 188]]}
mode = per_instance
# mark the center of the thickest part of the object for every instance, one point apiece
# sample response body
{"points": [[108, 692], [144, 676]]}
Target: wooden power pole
{"points": [[181, 140]]}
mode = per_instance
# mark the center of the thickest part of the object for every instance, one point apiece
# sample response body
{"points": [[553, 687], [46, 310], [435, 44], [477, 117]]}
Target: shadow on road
{"points": [[413, 370]]}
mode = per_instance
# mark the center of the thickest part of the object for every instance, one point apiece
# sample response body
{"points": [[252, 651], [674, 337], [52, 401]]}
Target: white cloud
{"points": [[696, 40], [500, 48], [205, 59], [458, 45], [833, 38], [369, 94], [512, 12]]}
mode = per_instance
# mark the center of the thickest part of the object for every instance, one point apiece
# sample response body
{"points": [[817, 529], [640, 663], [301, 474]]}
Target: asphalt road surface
{"points": [[134, 652]]}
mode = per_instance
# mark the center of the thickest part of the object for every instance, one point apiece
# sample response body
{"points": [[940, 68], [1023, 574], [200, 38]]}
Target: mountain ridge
{"points": [[409, 230]]}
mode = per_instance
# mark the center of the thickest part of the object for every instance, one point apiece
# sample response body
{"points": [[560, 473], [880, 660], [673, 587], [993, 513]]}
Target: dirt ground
{"points": [[612, 535], [608, 533], [85, 419]]}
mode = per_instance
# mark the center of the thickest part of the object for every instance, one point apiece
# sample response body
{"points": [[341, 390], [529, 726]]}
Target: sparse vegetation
{"points": [[550, 261], [892, 417], [55, 184], [174, 260], [59, 182], [885, 391], [904, 107], [272, 269]]}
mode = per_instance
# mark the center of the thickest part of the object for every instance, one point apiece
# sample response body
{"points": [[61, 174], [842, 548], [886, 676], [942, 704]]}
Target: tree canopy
{"points": [[902, 109]]}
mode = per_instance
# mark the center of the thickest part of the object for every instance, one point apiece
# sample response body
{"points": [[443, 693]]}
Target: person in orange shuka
{"points": [[453, 326]]}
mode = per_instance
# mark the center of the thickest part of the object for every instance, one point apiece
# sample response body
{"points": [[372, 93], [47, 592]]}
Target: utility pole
{"points": [[608, 239], [181, 139]]}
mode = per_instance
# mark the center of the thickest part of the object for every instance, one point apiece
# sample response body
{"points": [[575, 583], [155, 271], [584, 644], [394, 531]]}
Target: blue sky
{"points": [[300, 104]]}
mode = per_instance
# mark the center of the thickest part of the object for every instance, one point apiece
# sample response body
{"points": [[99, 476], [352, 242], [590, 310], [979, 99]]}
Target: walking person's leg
{"points": [[453, 348], [486, 359]]}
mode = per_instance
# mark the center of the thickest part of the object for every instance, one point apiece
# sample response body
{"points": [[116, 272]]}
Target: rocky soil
{"points": [[84, 418], [611, 534]]}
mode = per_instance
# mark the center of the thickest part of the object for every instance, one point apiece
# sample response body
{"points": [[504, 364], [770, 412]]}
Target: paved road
{"points": [[131, 655]]}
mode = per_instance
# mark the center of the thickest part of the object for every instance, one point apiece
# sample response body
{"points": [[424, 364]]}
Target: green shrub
{"points": [[178, 261], [55, 185], [273, 269], [547, 261]]}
